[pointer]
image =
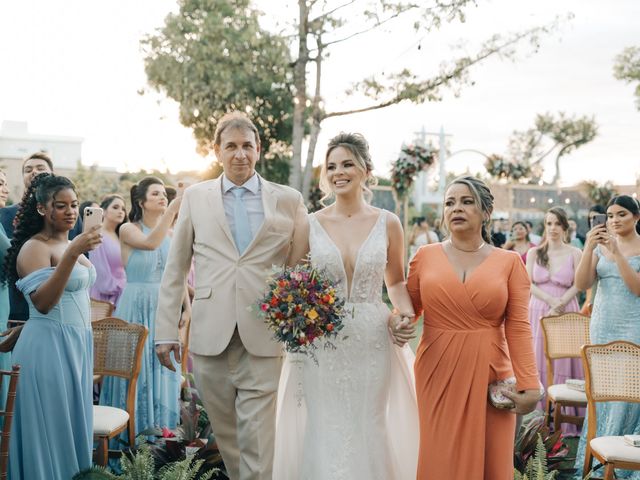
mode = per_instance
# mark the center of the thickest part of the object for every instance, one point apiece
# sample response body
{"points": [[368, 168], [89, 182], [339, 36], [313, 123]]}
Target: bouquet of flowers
{"points": [[300, 306]]}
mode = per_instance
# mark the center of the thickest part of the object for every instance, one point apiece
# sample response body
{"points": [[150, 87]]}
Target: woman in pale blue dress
{"points": [[145, 245], [5, 358], [52, 430], [612, 256]]}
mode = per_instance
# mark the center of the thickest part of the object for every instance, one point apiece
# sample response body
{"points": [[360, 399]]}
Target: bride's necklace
{"points": [[467, 251]]}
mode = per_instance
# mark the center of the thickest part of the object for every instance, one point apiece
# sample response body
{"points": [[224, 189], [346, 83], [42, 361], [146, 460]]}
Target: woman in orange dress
{"points": [[476, 331]]}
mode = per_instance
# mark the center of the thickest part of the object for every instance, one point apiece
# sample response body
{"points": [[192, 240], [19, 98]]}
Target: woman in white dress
{"points": [[353, 415]]}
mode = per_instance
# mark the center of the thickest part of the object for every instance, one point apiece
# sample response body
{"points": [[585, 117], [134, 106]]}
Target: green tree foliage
{"points": [[599, 194], [92, 184], [627, 68], [212, 57], [551, 135]]}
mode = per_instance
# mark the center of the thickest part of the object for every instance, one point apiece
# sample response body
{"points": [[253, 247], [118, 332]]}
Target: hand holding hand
{"points": [[556, 304], [164, 350], [402, 328], [525, 401], [86, 241]]}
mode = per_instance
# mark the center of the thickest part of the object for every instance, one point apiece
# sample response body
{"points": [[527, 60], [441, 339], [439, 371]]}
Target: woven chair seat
{"points": [[562, 393], [614, 449], [108, 419]]}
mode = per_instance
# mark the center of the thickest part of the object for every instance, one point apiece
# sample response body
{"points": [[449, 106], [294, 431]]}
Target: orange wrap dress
{"points": [[474, 333]]}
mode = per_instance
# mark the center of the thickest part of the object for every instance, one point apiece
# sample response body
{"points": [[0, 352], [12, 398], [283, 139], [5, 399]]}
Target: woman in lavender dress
{"points": [[107, 258], [551, 267]]}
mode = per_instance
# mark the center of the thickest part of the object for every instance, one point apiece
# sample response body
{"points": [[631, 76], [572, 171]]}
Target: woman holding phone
{"points": [[612, 256], [145, 245], [52, 431]]}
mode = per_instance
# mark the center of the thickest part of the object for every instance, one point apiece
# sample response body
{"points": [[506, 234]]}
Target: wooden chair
{"points": [[612, 375], [101, 309], [117, 351], [7, 416], [563, 337]]}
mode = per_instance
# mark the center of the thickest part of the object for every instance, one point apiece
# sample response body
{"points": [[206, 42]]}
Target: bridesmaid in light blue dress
{"points": [[612, 255], [145, 245], [5, 358], [52, 430]]}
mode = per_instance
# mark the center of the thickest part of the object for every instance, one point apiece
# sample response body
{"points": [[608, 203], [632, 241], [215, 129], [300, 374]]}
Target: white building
{"points": [[16, 143]]}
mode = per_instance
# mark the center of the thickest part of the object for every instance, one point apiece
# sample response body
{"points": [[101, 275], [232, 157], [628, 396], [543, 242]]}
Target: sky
{"points": [[74, 68]]}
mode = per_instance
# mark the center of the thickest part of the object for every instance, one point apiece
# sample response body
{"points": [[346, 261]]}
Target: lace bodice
{"points": [[371, 260]]}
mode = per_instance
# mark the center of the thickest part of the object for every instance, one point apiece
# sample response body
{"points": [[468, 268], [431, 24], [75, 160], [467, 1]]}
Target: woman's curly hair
{"points": [[28, 222]]}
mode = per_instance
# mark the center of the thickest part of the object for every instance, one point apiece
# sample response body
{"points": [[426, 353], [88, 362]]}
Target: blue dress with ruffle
{"points": [[52, 430]]}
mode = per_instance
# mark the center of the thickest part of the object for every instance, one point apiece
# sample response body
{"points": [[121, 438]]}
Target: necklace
{"points": [[467, 251]]}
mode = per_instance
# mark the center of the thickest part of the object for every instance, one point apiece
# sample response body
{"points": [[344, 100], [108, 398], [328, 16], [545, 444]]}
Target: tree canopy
{"points": [[627, 68], [551, 135], [213, 56]]}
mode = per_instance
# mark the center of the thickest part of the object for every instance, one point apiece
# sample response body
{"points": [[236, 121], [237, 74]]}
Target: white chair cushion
{"points": [[107, 419], [614, 449], [562, 393]]}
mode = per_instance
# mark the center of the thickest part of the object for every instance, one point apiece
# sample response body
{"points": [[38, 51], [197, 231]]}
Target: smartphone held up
{"points": [[91, 217], [599, 219]]}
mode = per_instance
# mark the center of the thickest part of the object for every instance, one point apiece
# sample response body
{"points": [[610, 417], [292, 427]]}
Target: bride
{"points": [[353, 415]]}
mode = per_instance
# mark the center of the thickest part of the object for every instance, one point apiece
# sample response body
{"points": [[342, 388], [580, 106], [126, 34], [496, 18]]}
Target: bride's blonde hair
{"points": [[359, 147]]}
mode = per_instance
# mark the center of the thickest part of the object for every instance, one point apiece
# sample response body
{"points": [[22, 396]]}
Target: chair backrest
{"points": [[7, 416], [117, 347], [565, 334], [117, 351], [100, 309], [612, 373]]}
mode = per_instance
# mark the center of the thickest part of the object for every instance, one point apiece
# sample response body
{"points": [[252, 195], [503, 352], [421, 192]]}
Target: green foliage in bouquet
{"points": [[413, 159]]}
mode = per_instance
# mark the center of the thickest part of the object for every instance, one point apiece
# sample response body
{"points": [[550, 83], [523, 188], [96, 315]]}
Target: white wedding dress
{"points": [[353, 415]]}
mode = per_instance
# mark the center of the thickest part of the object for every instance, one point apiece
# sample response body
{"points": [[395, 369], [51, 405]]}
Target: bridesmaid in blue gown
{"points": [[5, 358], [612, 255], [52, 431], [145, 245]]}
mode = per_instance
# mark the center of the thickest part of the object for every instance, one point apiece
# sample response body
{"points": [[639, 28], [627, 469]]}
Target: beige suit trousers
{"points": [[239, 392]]}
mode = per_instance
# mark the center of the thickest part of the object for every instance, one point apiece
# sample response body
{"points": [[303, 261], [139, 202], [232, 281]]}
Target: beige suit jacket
{"points": [[227, 284]]}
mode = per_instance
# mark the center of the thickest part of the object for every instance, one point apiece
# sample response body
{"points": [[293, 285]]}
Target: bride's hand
{"points": [[401, 328]]}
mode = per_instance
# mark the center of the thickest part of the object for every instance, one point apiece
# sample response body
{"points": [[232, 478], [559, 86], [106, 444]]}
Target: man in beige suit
{"points": [[236, 227]]}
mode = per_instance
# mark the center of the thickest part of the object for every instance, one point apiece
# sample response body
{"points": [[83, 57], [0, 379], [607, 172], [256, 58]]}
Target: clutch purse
{"points": [[496, 398]]}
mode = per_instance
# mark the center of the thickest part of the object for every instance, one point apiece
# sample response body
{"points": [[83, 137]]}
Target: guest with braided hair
{"points": [[33, 165], [52, 431]]}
